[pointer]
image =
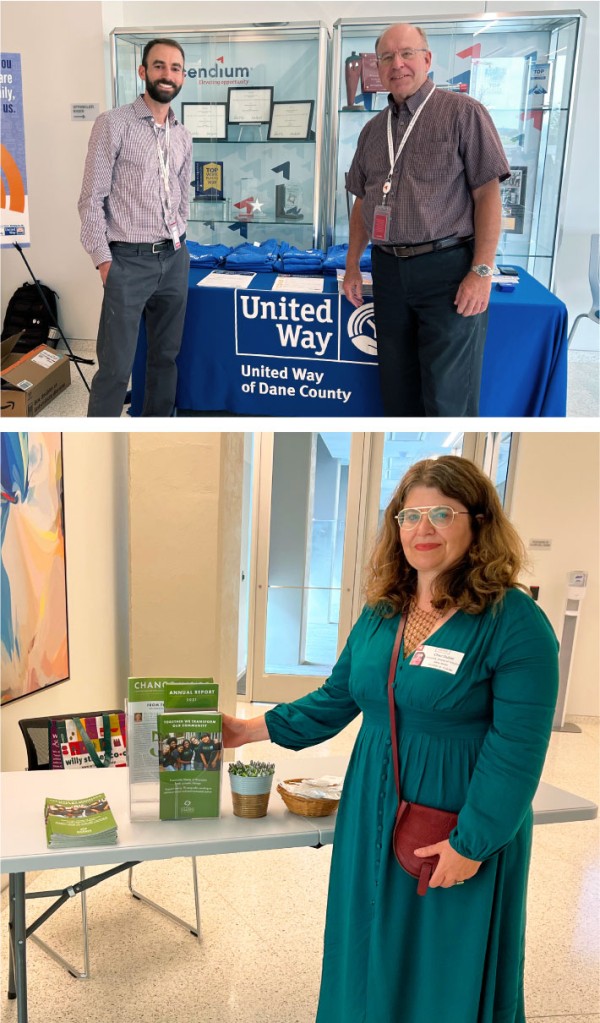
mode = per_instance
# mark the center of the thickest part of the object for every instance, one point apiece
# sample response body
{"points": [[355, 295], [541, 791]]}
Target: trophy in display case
{"points": [[288, 201], [208, 181], [352, 69], [371, 83]]}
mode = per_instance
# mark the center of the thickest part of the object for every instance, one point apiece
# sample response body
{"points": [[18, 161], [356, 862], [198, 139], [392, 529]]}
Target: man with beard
{"points": [[429, 201], [134, 208]]}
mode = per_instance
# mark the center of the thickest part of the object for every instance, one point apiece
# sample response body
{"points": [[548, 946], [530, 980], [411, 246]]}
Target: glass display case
{"points": [[522, 68], [254, 99]]}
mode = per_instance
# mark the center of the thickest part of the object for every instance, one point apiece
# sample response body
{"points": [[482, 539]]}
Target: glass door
{"points": [[302, 538], [319, 501]]}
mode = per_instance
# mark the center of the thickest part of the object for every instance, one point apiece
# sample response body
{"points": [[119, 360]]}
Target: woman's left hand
{"points": [[452, 868]]}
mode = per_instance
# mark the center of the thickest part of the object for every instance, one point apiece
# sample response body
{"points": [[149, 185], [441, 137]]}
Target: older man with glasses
{"points": [[426, 176]]}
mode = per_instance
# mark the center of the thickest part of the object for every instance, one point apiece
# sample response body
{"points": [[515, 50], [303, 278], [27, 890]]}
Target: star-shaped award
{"points": [[256, 206]]}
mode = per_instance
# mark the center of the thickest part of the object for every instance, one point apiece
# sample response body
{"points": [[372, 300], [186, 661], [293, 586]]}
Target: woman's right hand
{"points": [[234, 731]]}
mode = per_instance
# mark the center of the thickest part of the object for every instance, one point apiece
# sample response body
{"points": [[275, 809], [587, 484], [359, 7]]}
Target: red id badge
{"points": [[381, 224]]}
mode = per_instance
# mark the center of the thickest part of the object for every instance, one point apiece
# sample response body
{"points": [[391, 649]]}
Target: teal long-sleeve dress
{"points": [[472, 742]]}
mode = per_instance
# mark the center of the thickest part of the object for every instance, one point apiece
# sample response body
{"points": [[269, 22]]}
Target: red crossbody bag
{"points": [[416, 825]]}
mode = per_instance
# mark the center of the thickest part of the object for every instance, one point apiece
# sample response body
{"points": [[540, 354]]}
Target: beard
{"points": [[160, 94]]}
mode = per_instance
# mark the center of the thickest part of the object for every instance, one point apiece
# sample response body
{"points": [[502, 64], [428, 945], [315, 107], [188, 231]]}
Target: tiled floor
{"points": [[259, 958], [583, 395]]}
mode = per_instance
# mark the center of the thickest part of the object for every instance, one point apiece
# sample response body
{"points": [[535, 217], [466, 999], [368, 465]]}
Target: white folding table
{"points": [[23, 839]]}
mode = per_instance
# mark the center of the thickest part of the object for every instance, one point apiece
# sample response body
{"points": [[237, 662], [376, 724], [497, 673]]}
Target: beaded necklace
{"points": [[419, 624]]}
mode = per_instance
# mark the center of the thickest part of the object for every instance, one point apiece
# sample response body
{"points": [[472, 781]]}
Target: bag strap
{"points": [[89, 744], [392, 702]]}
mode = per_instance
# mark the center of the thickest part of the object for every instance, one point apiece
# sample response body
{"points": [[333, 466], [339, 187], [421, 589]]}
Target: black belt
{"points": [[162, 246], [406, 251]]}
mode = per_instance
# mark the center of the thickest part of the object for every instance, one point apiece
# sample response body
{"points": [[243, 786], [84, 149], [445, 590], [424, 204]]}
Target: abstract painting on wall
{"points": [[35, 645]]}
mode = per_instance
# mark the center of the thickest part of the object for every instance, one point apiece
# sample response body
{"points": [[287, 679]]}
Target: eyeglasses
{"points": [[408, 54], [440, 516]]}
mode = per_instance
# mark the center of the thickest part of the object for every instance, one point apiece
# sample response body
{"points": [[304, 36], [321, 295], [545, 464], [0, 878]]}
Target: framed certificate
{"points": [[249, 106], [291, 120], [205, 121]]}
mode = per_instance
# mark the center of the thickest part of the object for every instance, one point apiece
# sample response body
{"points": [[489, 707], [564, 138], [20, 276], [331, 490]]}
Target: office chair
{"points": [[36, 733], [594, 278]]}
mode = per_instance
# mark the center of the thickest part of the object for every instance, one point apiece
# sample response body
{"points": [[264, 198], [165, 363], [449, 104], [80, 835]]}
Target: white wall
{"points": [[64, 47], [556, 497], [96, 535], [186, 523]]}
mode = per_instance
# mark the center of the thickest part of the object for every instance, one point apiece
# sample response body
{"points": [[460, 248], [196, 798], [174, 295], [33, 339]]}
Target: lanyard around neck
{"points": [[163, 158], [394, 159]]}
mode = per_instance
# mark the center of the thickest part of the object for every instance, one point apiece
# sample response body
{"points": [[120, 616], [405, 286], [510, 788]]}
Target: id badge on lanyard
{"points": [[382, 214], [170, 218]]}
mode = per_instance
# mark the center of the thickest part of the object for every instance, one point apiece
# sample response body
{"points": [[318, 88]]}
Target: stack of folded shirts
{"points": [[207, 256], [299, 261], [336, 259], [257, 258]]}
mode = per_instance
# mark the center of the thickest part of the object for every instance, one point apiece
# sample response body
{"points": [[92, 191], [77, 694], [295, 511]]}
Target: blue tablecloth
{"points": [[256, 352]]}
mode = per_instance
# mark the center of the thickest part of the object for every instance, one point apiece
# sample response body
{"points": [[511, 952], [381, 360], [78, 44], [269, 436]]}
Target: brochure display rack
{"points": [[522, 68], [254, 100], [174, 748]]}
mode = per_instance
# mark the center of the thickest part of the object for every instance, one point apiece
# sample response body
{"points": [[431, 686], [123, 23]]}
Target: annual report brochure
{"points": [[145, 701], [79, 822], [191, 751]]}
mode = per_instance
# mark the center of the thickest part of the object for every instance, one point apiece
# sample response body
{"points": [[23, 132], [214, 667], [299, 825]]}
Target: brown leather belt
{"points": [[406, 251]]}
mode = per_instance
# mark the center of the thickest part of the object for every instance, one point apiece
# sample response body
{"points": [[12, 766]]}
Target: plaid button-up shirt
{"points": [[123, 194], [453, 149]]}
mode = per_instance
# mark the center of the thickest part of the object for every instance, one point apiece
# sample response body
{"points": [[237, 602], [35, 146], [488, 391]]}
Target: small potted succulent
{"points": [[251, 787]]}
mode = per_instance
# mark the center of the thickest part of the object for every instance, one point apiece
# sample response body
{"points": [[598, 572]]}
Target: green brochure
{"points": [[75, 822], [145, 701], [191, 751]]}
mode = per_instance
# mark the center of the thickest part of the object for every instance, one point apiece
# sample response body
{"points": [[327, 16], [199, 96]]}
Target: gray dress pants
{"points": [[153, 285]]}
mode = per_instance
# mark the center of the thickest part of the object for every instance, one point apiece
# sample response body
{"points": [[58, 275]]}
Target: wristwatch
{"points": [[482, 270]]}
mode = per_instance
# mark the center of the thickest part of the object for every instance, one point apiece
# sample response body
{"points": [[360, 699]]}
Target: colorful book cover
{"points": [[73, 822], [145, 701], [191, 752]]}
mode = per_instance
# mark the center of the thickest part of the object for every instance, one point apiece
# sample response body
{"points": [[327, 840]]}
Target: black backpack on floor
{"points": [[27, 312]]}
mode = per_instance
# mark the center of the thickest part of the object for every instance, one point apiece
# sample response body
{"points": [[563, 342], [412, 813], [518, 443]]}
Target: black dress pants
{"points": [[430, 357]]}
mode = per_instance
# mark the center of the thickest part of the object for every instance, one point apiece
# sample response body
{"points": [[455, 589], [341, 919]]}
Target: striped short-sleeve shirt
{"points": [[123, 193], [453, 149]]}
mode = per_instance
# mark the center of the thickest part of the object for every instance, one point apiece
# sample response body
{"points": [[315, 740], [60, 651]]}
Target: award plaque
{"points": [[208, 180], [370, 80], [288, 201], [369, 73], [352, 75]]}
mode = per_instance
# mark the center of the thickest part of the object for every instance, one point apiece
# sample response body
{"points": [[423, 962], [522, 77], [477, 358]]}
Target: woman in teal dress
{"points": [[475, 690]]}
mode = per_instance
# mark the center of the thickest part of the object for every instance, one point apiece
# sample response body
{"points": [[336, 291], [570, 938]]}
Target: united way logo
{"points": [[361, 329]]}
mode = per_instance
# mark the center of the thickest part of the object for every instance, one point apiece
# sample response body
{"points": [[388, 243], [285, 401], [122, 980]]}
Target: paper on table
{"points": [[226, 279], [288, 282]]}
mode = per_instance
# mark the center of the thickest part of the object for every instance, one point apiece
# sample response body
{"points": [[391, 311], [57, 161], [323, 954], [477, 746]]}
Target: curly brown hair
{"points": [[481, 577]]}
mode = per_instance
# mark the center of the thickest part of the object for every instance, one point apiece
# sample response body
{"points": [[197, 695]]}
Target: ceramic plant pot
{"points": [[250, 796]]}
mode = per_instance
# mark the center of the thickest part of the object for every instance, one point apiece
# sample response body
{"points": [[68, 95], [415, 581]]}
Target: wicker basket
{"points": [[307, 807]]}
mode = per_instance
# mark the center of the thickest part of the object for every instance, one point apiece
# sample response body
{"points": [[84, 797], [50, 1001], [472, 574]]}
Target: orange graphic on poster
{"points": [[12, 174]]}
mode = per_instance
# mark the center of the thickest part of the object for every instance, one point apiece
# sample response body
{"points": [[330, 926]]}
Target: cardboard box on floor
{"points": [[31, 381]]}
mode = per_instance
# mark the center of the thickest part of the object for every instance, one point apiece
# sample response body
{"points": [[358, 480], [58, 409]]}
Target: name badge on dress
{"points": [[436, 657]]}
